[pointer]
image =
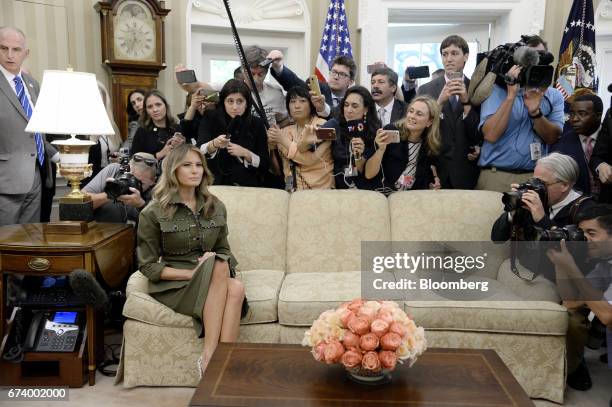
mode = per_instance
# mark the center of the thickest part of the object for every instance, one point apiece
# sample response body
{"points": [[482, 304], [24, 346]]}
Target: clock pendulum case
{"points": [[132, 48]]}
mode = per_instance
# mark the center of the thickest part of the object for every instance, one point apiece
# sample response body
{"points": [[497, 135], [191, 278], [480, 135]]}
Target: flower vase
{"points": [[369, 378]]}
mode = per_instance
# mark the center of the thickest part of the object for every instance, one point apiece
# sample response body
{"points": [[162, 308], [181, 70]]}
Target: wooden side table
{"points": [[106, 250]]}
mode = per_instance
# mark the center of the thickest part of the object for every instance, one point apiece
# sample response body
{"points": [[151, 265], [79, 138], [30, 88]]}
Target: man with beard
{"points": [[383, 89]]}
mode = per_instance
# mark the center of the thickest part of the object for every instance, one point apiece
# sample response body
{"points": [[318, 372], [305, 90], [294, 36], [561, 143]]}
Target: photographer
{"points": [[143, 167], [522, 116], [583, 295], [546, 201]]}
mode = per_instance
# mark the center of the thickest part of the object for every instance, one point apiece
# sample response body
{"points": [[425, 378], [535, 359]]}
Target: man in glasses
{"points": [[127, 207]]}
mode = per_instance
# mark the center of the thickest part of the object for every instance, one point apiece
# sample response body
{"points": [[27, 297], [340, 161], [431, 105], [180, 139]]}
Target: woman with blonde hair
{"points": [[408, 162], [185, 225]]}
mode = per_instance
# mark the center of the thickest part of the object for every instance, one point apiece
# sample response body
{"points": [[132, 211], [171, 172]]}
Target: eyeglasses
{"points": [[337, 74], [551, 183], [148, 161]]}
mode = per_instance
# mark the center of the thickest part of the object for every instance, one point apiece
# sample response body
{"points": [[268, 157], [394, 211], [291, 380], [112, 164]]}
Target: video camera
{"points": [[120, 185], [537, 70], [513, 200]]}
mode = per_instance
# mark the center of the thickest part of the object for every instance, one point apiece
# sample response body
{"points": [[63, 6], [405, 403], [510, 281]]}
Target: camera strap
{"points": [[576, 206], [513, 245]]}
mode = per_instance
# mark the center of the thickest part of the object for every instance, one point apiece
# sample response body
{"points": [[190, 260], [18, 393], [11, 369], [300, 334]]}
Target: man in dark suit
{"points": [[578, 143], [23, 156], [457, 166], [383, 89], [601, 160]]}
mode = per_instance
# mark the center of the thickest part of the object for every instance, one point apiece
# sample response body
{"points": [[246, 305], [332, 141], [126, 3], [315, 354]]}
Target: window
{"points": [[222, 70], [406, 55]]}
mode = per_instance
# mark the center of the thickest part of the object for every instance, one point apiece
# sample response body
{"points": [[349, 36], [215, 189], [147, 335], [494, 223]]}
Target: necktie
{"points": [[454, 102], [588, 152], [381, 115], [25, 103]]}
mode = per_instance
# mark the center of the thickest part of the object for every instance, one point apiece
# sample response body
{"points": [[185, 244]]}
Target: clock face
{"points": [[134, 32]]}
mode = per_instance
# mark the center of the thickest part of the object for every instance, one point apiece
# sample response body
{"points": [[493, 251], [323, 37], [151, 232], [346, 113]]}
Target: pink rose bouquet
{"points": [[366, 337]]}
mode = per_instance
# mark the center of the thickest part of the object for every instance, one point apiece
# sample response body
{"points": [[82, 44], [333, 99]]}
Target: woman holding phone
{"points": [[310, 169], [408, 160], [355, 127], [157, 132], [234, 140]]}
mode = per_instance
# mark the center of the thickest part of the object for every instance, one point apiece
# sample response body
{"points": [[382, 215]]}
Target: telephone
{"points": [[53, 331]]}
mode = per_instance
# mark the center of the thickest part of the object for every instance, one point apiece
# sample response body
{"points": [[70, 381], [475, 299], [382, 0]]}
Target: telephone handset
{"points": [[52, 334]]}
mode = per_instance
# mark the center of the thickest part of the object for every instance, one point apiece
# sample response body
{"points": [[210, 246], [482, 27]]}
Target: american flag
{"points": [[577, 51], [336, 40]]}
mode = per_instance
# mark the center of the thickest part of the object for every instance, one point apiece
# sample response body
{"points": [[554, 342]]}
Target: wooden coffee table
{"points": [[287, 375]]}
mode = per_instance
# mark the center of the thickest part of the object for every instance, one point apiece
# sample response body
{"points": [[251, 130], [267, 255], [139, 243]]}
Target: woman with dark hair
{"points": [[133, 109], [407, 164], [311, 169], [157, 127], [356, 127], [191, 276], [234, 140]]}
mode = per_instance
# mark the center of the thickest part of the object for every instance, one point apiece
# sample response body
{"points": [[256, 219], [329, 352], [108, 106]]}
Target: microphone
{"points": [[87, 289], [526, 57]]}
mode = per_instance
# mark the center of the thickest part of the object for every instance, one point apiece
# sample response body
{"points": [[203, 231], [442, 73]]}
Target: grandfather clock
{"points": [[132, 48]]}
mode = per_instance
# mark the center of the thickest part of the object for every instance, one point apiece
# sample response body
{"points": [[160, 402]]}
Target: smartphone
{"points": [[373, 67], [453, 76], [313, 82], [187, 76], [417, 72], [394, 136], [212, 97], [325, 133]]}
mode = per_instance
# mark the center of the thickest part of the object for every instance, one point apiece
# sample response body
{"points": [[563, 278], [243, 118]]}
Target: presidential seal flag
{"points": [[335, 41], [577, 63]]}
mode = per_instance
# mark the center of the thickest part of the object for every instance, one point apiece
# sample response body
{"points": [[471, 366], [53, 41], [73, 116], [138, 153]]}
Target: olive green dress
{"points": [[178, 242]]}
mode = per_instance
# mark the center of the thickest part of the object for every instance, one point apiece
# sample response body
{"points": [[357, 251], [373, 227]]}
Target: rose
{"points": [[355, 305], [390, 341], [351, 359], [359, 325], [388, 359], [333, 352], [370, 361], [345, 316], [379, 327], [399, 329], [319, 352], [385, 315], [350, 340], [368, 342]]}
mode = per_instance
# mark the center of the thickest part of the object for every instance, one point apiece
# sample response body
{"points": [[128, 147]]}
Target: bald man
{"points": [[23, 159]]}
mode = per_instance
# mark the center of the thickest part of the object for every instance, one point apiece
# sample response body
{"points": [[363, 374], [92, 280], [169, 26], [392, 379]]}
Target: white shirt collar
{"points": [[10, 76], [593, 136], [388, 108], [572, 196]]}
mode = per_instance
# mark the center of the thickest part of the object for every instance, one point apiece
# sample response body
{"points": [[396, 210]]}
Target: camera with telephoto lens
{"points": [[569, 233], [120, 185], [536, 72], [513, 200]]}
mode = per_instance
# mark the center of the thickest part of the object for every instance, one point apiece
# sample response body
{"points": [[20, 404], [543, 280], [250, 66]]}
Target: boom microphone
{"points": [[87, 288]]}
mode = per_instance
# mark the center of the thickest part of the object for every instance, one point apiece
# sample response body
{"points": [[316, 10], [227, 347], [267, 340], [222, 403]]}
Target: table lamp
{"points": [[70, 103]]}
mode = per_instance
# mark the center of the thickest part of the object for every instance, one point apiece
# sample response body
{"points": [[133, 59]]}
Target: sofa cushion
{"points": [[517, 317], [304, 296], [257, 223], [262, 288], [326, 228]]}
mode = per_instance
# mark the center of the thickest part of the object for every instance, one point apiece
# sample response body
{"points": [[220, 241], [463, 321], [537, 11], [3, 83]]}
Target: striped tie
{"points": [[25, 103]]}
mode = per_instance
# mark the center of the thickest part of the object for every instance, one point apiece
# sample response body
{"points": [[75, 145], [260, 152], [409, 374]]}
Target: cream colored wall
{"points": [[63, 31]]}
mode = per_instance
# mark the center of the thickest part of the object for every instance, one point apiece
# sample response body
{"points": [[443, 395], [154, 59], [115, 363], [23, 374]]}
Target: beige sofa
{"points": [[300, 254]]}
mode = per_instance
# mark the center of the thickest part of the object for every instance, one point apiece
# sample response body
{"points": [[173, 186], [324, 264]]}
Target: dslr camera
{"points": [[120, 185], [537, 70], [569, 233], [513, 200]]}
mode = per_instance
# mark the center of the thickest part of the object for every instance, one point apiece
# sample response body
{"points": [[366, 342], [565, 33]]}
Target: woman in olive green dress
{"points": [[183, 250]]}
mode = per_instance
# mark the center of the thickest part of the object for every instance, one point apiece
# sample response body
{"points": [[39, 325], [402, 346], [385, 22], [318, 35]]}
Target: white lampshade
{"points": [[69, 103]]}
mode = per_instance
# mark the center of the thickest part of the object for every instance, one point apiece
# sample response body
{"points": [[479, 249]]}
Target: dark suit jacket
{"points": [[398, 112], [454, 168], [569, 144], [288, 79], [602, 153], [18, 148]]}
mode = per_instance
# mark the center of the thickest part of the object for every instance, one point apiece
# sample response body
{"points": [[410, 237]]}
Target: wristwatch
{"points": [[537, 115]]}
